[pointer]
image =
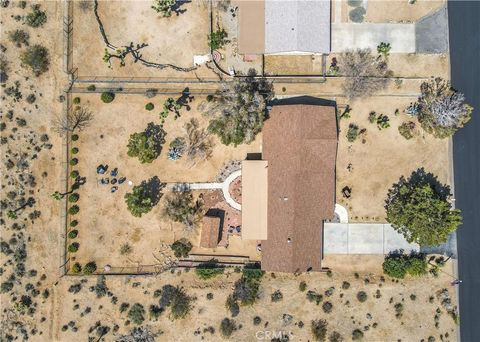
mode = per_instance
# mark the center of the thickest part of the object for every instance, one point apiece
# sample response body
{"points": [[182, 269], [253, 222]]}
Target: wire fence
{"points": [[67, 36]]}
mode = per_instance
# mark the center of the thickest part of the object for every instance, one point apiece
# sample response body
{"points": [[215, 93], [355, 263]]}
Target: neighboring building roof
{"points": [[254, 199], [282, 26], [210, 232], [300, 145]]}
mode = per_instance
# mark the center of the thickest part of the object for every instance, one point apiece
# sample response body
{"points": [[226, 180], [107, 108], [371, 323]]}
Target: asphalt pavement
{"points": [[464, 32]]}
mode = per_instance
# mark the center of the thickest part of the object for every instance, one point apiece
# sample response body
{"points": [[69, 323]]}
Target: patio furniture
{"points": [[114, 172]]}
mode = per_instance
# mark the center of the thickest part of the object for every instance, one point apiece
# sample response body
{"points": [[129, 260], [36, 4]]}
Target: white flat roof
{"points": [[254, 199]]}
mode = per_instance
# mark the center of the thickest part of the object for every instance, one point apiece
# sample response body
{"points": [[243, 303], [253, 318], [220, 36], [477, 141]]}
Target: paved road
{"points": [[465, 62]]}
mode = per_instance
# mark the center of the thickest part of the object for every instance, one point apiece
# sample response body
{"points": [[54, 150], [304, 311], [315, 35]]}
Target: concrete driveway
{"points": [[368, 35], [363, 238]]}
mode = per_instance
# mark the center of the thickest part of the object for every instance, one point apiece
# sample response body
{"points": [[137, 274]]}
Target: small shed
{"points": [[210, 232]]}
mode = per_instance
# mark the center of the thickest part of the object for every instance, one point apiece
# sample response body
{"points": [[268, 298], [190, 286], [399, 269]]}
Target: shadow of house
{"points": [[212, 228]]}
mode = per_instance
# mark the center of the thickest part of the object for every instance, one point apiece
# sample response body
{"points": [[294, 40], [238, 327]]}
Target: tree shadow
{"points": [[185, 99], [153, 189], [157, 132], [177, 7], [420, 177]]}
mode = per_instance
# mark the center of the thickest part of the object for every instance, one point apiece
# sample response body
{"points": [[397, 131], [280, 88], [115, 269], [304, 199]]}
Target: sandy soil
{"points": [[172, 40], [394, 11], [417, 321], [104, 219], [384, 150]]}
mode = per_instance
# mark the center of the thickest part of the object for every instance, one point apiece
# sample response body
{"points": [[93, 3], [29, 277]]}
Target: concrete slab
{"points": [[368, 35], [335, 238], [365, 239], [432, 33]]}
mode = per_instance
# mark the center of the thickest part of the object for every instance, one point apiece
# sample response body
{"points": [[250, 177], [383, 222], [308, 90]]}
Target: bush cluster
{"points": [[399, 265]]}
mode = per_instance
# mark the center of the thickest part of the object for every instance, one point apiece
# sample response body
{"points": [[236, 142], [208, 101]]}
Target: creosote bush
{"points": [[136, 314], [149, 106], [107, 97], [37, 58], [37, 17], [277, 296], [362, 296], [227, 327], [181, 248], [406, 129], [90, 268], [319, 329]]}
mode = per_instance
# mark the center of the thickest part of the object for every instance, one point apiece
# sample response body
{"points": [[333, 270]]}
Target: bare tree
{"points": [[441, 109], [198, 143], [75, 120], [365, 74]]}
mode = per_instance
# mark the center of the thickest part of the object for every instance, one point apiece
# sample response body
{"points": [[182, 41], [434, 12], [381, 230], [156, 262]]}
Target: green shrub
{"points": [[73, 247], [22, 4], [354, 3], [31, 98], [357, 335], [73, 234], [19, 37], [124, 307], [353, 132], [357, 14], [208, 270], [73, 161], [76, 100], [107, 97], [91, 87], [232, 306], [74, 150], [327, 307], [181, 248], [136, 314], [36, 18], [303, 286], [74, 210], [329, 273], [37, 58], [372, 117], [406, 129], [313, 296], [227, 327], [149, 106], [399, 265], [73, 198], [90, 268], [257, 320], [384, 49], [277, 296], [217, 39], [74, 137], [362, 296], [74, 174], [76, 268], [73, 223], [383, 122], [345, 285], [319, 329]]}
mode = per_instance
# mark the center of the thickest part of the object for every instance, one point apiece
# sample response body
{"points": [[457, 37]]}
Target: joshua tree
{"points": [[75, 120], [165, 7]]}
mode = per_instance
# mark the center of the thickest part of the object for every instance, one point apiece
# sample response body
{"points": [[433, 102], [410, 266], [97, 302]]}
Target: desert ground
{"points": [[55, 313], [376, 317]]}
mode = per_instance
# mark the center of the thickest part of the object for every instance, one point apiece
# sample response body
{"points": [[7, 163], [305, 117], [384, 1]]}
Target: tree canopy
{"points": [[146, 145], [239, 110], [419, 209], [144, 197], [37, 58], [365, 73], [441, 109]]}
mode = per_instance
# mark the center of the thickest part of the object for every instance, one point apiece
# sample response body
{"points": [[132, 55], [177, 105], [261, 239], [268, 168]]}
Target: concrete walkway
{"points": [[363, 238], [224, 186]]}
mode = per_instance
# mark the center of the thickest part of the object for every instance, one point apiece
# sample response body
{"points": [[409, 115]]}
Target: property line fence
{"points": [[67, 36], [65, 258], [144, 91]]}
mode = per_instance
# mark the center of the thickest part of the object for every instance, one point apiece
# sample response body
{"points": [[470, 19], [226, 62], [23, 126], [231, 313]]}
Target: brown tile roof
{"points": [[210, 232], [300, 145]]}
